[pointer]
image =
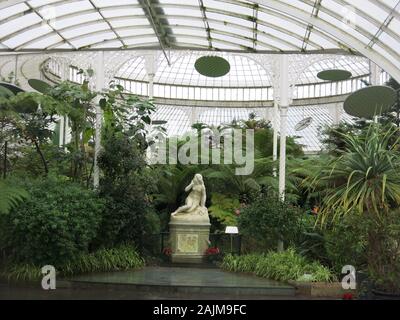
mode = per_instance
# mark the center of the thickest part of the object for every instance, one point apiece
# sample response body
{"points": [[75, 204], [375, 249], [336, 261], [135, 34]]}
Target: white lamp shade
{"points": [[232, 230]]}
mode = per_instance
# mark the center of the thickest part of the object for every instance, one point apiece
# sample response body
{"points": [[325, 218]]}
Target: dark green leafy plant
{"points": [[78, 104], [33, 115], [126, 182], [55, 224], [365, 181], [126, 185], [269, 220], [10, 196], [225, 210], [346, 242]]}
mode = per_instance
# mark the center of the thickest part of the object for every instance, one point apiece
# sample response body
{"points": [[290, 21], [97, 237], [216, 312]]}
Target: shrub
{"points": [[126, 185], [346, 242], [224, 209], [268, 220], [103, 260], [55, 224], [280, 266]]}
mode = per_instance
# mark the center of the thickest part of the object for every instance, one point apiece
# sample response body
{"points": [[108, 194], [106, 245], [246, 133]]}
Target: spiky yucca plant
{"points": [[365, 180], [366, 177]]}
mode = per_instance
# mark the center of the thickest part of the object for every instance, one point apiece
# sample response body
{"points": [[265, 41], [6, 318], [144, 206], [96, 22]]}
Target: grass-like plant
{"points": [[104, 260], [280, 266]]}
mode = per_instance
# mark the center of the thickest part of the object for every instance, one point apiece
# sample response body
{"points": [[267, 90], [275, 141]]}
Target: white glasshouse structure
{"points": [[275, 49]]}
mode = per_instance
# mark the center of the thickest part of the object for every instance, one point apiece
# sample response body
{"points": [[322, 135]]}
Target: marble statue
{"points": [[195, 204], [190, 225]]}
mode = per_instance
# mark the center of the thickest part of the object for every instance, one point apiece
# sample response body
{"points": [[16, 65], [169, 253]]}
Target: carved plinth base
{"points": [[189, 241]]}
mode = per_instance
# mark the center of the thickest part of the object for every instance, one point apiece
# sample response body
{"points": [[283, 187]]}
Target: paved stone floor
{"points": [[196, 284], [198, 277]]}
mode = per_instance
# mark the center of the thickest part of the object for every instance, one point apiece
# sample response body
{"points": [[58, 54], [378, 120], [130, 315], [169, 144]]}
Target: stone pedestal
{"points": [[189, 241]]}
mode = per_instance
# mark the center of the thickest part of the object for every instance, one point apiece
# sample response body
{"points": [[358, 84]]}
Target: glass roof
{"points": [[247, 70], [369, 27]]}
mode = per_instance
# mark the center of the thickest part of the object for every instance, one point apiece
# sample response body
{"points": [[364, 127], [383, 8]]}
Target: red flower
{"points": [[212, 251], [348, 296], [167, 251]]}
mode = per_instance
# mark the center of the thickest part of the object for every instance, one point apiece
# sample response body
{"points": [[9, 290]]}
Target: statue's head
{"points": [[198, 178]]}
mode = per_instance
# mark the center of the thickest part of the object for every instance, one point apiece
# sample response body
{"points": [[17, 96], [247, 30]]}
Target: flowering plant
{"points": [[167, 252], [213, 254], [348, 296], [212, 251]]}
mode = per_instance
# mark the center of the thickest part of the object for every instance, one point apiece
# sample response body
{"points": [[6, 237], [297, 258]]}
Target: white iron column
{"points": [[194, 115], [336, 113], [375, 74], [100, 83], [151, 85], [63, 119], [336, 109], [284, 101], [16, 70], [275, 134], [151, 68]]}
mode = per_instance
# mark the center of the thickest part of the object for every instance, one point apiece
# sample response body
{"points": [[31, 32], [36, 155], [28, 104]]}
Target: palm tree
{"points": [[238, 186]]}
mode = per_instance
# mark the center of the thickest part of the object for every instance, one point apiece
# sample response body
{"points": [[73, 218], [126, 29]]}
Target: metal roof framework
{"points": [[366, 27]]}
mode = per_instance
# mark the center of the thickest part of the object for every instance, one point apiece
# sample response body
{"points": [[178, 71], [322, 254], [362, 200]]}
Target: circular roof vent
{"points": [[370, 101], [212, 66], [334, 75]]}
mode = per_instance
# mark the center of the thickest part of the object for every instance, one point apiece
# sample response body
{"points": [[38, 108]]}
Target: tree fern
{"points": [[10, 196]]}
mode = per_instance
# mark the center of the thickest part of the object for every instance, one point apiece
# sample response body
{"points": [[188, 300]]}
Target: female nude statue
{"points": [[196, 200]]}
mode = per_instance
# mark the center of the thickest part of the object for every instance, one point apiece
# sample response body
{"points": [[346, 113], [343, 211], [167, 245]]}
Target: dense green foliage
{"points": [[346, 243], [365, 181], [268, 220], [56, 223], [125, 186], [59, 220], [126, 183], [10, 196], [115, 259], [224, 209], [281, 266]]}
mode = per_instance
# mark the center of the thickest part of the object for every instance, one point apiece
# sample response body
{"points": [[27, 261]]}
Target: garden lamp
{"points": [[231, 230]]}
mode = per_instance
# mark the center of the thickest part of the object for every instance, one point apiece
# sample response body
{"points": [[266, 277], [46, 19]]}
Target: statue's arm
{"points": [[189, 187]]}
